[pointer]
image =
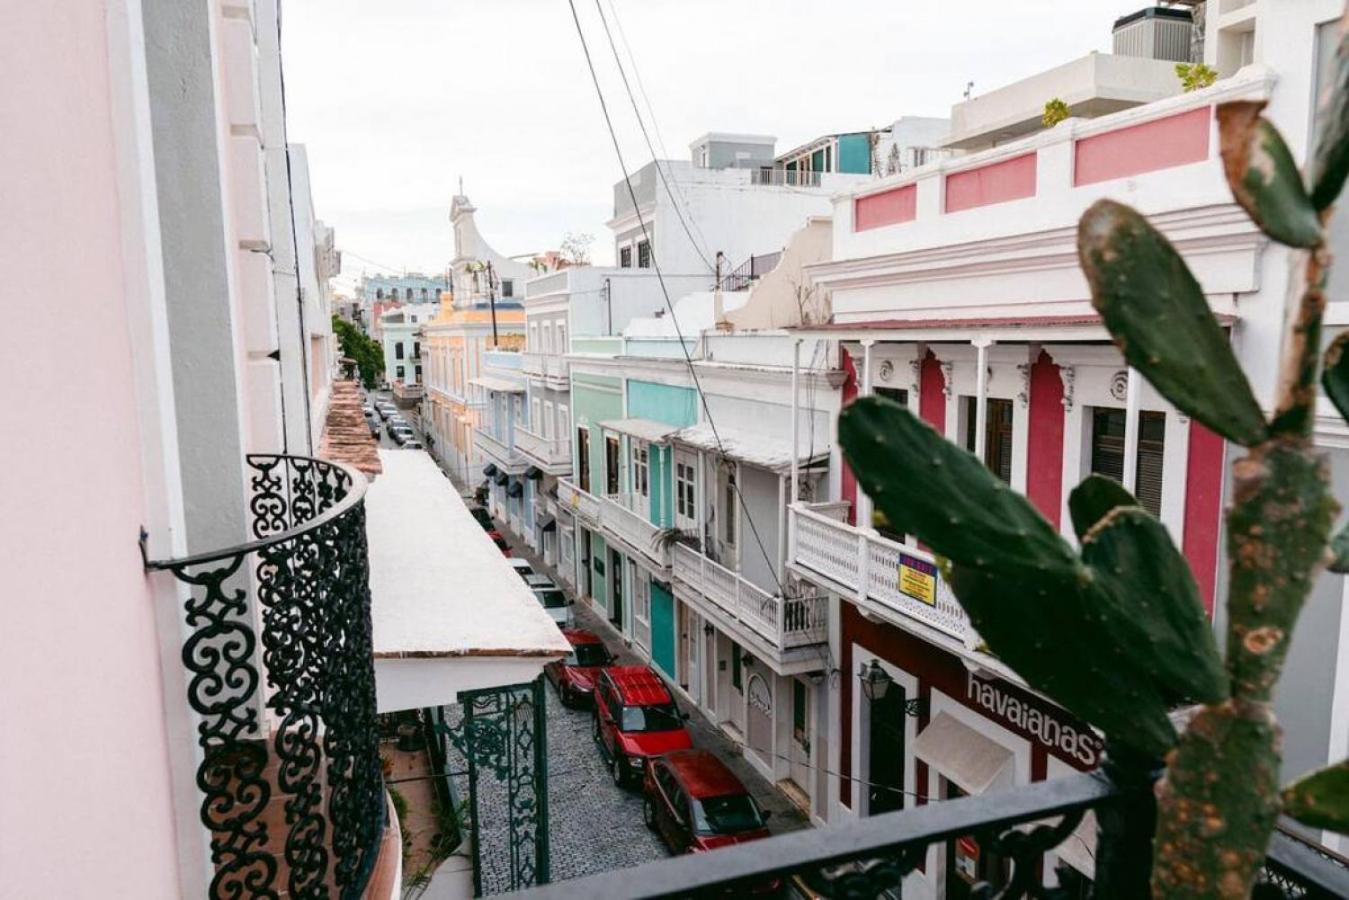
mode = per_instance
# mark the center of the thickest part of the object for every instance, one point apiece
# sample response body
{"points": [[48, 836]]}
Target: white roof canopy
{"points": [[642, 429], [753, 448], [494, 383], [449, 612], [961, 754]]}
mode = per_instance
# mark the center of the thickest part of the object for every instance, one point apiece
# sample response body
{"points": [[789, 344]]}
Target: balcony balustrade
{"points": [[580, 503], [782, 622], [876, 856], [506, 457], [549, 366], [281, 677], [867, 567], [616, 517], [553, 455]]}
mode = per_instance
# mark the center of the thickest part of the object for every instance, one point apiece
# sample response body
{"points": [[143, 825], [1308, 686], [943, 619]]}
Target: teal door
{"points": [[662, 629]]}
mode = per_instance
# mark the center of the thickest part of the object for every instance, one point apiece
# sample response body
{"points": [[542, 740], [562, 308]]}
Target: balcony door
{"points": [[885, 752], [583, 458], [611, 462], [616, 590]]}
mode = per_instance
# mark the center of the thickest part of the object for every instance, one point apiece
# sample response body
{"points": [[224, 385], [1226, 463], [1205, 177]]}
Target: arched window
{"points": [[379, 294], [423, 293], [408, 294]]}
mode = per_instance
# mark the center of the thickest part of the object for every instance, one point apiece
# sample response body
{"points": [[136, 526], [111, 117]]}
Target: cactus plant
{"points": [[1131, 638]]}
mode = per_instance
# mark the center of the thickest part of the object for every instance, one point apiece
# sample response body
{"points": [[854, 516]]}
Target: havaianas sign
{"points": [[1066, 740]]}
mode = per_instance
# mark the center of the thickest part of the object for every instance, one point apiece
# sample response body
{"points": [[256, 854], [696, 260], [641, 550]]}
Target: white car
{"points": [[556, 603], [522, 568]]}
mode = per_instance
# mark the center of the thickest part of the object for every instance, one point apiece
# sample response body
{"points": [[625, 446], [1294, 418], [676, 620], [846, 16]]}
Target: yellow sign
{"points": [[918, 579]]}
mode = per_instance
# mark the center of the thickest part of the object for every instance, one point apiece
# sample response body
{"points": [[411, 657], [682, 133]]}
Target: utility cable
{"points": [[674, 319]]}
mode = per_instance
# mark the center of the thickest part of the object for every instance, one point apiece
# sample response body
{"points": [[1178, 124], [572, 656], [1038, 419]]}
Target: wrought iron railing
{"points": [[281, 676], [872, 857]]}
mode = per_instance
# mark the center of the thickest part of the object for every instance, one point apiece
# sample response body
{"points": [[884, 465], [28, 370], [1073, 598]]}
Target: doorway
{"points": [[967, 861], [584, 573], [693, 664], [885, 749], [800, 749], [616, 590]]}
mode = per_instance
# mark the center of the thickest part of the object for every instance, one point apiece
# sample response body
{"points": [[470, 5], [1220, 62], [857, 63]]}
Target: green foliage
{"points": [[1264, 179], [1335, 374], [1129, 634], [1330, 161], [1321, 799], [369, 355], [1159, 318], [1194, 76], [1055, 112]]}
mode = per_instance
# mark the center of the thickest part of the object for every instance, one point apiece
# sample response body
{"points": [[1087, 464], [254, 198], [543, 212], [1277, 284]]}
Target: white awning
{"points": [[493, 383], [753, 448], [961, 754], [449, 614], [642, 429]]}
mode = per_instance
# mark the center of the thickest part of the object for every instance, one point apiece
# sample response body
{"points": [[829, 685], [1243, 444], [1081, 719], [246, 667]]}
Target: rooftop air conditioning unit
{"points": [[1157, 32]]}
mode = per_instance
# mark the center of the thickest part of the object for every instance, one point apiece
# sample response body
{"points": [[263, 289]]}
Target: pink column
{"points": [[1044, 445], [848, 480], [1203, 508]]}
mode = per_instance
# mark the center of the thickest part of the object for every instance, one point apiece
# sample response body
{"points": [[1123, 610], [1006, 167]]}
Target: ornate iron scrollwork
{"points": [[318, 738]]}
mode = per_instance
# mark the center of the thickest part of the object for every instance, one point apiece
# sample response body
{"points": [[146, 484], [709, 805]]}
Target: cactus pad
{"points": [[1160, 320], [1093, 499], [1263, 177], [1330, 162], [1321, 798]]}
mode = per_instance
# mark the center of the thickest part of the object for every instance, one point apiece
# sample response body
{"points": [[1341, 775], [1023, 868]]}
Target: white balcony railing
{"points": [[553, 455], [620, 518], [900, 578], [782, 622], [581, 503], [499, 451], [545, 365]]}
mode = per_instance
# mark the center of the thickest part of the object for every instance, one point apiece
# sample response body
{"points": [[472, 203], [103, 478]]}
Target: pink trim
{"points": [[847, 480], [885, 208], [932, 393], [1044, 446], [1011, 179], [1203, 508], [1176, 140]]}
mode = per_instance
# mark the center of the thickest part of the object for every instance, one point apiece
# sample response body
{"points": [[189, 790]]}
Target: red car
{"points": [[636, 719], [574, 676], [696, 804]]}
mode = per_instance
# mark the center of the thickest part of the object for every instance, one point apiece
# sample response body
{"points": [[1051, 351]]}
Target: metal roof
{"points": [[642, 429]]}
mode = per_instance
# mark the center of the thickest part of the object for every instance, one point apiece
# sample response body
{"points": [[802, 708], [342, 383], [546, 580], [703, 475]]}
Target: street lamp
{"points": [[875, 681]]}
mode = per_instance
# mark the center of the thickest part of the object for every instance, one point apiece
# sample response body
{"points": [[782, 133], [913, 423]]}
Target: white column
{"points": [[796, 420], [700, 498], [980, 396], [864, 504], [782, 529], [1131, 432]]}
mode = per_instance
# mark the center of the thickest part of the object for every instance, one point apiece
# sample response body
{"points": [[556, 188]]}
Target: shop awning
{"points": [[961, 754], [547, 523], [501, 478], [489, 470], [515, 490], [533, 473], [642, 429]]}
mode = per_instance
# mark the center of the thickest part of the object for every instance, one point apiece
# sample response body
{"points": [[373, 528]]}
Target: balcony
{"points": [[552, 455], [884, 854], [281, 678], [615, 517], [506, 457], [551, 368], [779, 624], [896, 580]]}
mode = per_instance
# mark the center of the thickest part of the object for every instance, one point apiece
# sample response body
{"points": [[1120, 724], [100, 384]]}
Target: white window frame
{"points": [[545, 429], [686, 490], [639, 477]]}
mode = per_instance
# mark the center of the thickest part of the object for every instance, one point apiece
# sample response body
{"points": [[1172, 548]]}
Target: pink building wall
{"points": [[85, 805]]}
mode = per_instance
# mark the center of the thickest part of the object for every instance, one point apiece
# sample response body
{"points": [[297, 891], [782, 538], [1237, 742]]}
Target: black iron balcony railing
{"points": [[278, 654], [871, 857]]}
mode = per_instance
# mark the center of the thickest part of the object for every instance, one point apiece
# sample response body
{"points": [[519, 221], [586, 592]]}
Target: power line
{"points": [[674, 319], [660, 170]]}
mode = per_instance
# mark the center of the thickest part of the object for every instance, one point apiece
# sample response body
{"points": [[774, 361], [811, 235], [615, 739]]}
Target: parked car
{"points": [[386, 410], [574, 675], [374, 426], [400, 433], [523, 569], [538, 580], [635, 719], [555, 601], [484, 518], [412, 444], [695, 803], [500, 541]]}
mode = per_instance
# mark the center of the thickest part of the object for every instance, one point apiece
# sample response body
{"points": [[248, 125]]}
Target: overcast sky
{"points": [[397, 99]]}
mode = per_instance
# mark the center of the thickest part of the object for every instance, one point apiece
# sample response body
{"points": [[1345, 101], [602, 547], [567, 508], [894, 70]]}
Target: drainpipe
{"points": [[1130, 473], [981, 397]]}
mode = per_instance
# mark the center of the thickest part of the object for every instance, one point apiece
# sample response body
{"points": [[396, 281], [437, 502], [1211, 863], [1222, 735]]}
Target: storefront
{"points": [[920, 725]]}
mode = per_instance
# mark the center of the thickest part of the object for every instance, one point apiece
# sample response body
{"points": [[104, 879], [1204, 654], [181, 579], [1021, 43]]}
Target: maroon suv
{"points": [[574, 676], [635, 719], [695, 803]]}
